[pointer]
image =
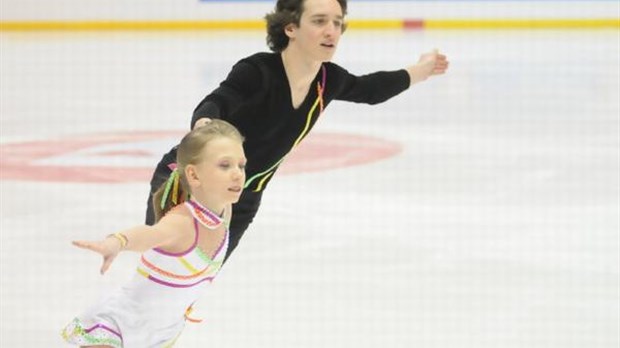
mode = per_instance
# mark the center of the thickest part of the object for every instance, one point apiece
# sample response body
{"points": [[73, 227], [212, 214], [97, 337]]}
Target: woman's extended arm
{"points": [[167, 232]]}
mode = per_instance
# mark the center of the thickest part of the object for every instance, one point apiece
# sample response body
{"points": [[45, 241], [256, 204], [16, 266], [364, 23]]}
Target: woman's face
{"points": [[221, 174]]}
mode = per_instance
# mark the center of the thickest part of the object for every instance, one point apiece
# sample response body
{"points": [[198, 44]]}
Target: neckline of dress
{"points": [[204, 215]]}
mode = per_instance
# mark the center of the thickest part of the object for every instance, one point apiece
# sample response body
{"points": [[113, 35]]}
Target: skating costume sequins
{"points": [[152, 309]]}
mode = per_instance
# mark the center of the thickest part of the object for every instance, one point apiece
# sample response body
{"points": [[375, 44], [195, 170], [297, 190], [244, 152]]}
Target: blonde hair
{"points": [[176, 189]]}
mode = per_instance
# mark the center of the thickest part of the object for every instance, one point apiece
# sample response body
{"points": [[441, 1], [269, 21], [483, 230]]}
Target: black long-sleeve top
{"points": [[256, 98]]}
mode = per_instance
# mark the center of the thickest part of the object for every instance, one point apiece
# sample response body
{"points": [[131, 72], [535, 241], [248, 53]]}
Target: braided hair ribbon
{"points": [[171, 184]]}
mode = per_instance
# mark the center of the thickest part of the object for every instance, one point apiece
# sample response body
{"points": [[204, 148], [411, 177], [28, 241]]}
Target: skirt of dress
{"points": [[124, 320]]}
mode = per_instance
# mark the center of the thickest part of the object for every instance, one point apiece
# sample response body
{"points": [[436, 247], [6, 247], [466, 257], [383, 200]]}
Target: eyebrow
{"points": [[324, 15], [233, 158]]}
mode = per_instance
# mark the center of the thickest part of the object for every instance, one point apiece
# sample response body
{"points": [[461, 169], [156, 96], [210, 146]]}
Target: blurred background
{"points": [[477, 209]]}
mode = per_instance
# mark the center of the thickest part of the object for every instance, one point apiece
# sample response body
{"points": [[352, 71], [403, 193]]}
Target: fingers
{"points": [[107, 261], [106, 265], [435, 57], [440, 57], [441, 65], [85, 245], [201, 122], [439, 71], [98, 248], [92, 246], [435, 52]]}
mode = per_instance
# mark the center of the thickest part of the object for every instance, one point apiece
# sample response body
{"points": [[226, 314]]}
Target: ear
{"points": [[191, 174], [290, 29]]}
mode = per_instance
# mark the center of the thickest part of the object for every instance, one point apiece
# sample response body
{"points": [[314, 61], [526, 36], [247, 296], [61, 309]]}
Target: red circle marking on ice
{"points": [[127, 157]]}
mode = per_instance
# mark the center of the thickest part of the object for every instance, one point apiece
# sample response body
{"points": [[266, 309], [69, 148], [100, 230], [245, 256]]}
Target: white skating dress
{"points": [[152, 309]]}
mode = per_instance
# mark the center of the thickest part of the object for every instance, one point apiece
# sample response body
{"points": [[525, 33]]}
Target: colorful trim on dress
{"points": [[187, 314], [98, 334], [206, 217], [150, 277], [165, 273], [196, 274]]}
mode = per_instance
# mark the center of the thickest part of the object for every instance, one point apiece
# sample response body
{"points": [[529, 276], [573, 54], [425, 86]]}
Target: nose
{"points": [[330, 29], [238, 174]]}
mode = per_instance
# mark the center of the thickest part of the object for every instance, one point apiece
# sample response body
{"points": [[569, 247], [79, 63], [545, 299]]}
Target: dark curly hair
{"points": [[285, 13]]}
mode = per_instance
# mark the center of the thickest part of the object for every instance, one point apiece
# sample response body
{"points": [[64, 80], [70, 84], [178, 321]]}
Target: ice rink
{"points": [[479, 209]]}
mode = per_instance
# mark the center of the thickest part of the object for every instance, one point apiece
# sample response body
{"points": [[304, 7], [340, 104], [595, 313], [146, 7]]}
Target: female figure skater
{"points": [[274, 99], [182, 252]]}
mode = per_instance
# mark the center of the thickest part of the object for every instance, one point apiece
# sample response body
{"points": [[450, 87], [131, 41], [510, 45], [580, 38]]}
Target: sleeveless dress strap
{"points": [[182, 253]]}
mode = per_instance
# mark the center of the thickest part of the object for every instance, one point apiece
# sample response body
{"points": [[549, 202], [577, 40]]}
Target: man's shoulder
{"points": [[331, 66], [262, 57], [265, 64]]}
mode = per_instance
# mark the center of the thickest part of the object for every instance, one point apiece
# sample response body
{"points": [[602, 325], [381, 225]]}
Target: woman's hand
{"points": [[108, 248]]}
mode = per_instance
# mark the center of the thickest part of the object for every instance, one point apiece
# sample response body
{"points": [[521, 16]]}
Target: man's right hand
{"points": [[201, 122]]}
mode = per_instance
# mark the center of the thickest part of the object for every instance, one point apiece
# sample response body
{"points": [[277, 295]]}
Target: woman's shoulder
{"points": [[178, 225], [180, 209], [178, 215]]}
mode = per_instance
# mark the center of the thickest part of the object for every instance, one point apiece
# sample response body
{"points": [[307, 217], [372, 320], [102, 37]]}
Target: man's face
{"points": [[319, 30]]}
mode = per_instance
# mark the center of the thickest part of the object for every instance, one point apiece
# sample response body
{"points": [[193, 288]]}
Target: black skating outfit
{"points": [[255, 97]]}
